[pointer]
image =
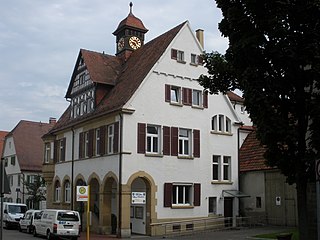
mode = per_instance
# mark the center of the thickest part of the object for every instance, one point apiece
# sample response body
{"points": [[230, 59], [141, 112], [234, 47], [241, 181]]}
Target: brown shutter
{"points": [[55, 151], [189, 96], [167, 200], [205, 99], [141, 138], [90, 147], [116, 138], [174, 54], [166, 140], [81, 147], [197, 194], [167, 93], [200, 60], [102, 140], [63, 151], [174, 141], [196, 143], [185, 96]]}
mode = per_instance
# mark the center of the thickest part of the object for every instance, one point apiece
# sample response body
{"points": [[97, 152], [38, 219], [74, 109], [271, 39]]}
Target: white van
{"points": [[58, 223], [27, 221], [12, 212]]}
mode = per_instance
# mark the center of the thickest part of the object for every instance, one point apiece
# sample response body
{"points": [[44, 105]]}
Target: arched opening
{"points": [[94, 203], [79, 205]]}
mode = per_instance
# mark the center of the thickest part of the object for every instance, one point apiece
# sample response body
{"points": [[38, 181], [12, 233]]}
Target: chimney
{"points": [[199, 35], [52, 120]]}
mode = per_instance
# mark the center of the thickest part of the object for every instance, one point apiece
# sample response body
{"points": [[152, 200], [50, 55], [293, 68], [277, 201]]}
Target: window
{"points": [[57, 192], [47, 152], [221, 123], [19, 180], [193, 59], [182, 194], [67, 192], [175, 94], [196, 98], [13, 160], [180, 56], [212, 205], [98, 141], [6, 162], [221, 171], [59, 150], [110, 138], [86, 144], [153, 139], [184, 142], [10, 180], [31, 178], [258, 202]]}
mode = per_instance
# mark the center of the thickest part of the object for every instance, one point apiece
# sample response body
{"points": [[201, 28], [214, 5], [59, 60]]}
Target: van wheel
{"points": [[6, 225], [34, 232]]}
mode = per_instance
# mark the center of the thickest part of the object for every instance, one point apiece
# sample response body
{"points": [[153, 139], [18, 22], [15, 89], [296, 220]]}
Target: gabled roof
{"points": [[3, 134], [234, 97], [251, 155], [131, 74], [132, 22], [28, 144]]}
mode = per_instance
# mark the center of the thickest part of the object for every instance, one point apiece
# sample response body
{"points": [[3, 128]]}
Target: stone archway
{"points": [[94, 203]]}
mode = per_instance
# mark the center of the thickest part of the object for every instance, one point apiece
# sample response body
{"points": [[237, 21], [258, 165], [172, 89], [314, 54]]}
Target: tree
{"points": [[36, 190], [273, 58]]}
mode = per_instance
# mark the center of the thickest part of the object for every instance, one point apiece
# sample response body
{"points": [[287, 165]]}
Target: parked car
{"points": [[27, 221], [12, 212], [54, 223]]}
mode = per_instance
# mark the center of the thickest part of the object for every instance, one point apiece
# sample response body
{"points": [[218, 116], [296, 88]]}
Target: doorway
{"points": [[228, 211]]}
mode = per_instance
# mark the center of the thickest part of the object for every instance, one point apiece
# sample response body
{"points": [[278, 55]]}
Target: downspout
{"points": [[72, 170], [120, 176]]}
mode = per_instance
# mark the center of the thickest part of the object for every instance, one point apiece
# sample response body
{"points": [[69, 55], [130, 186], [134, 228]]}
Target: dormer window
{"points": [[221, 124]]}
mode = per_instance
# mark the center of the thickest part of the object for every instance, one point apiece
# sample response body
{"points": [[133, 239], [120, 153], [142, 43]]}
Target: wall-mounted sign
{"points": [[138, 197], [82, 193]]}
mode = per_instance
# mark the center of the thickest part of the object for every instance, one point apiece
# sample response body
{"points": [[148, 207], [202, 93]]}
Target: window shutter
{"points": [[167, 93], [166, 140], [55, 151], [196, 143], [116, 138], [197, 194], [167, 200], [174, 141], [102, 140], [81, 147], [63, 152], [200, 60], [141, 138], [205, 99], [90, 148], [187, 96], [174, 54]]}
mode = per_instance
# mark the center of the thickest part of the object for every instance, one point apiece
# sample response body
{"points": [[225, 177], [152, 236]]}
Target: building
{"points": [[23, 155], [272, 200], [151, 143]]}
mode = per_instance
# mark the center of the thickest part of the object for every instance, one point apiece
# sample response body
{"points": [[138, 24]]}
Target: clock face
{"points": [[120, 44], [134, 42]]}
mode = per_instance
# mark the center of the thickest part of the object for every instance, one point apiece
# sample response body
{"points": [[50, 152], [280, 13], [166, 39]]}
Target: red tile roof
{"points": [[127, 76], [251, 155], [234, 97], [3, 134], [28, 144], [131, 21]]}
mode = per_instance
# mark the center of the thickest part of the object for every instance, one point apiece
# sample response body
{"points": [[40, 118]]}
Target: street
{"points": [[13, 234]]}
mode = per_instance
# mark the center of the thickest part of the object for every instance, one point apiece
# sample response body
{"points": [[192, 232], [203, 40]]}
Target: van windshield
{"points": [[16, 209], [67, 216]]}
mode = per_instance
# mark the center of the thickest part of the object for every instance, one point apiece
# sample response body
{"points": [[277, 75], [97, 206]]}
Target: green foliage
{"points": [[36, 190], [274, 58]]}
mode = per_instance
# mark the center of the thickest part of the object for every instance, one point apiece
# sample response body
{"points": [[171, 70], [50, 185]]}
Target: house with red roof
{"points": [[150, 143], [23, 155], [272, 200], [3, 134]]}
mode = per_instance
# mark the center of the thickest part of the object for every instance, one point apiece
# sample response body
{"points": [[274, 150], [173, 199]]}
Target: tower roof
{"points": [[131, 21]]}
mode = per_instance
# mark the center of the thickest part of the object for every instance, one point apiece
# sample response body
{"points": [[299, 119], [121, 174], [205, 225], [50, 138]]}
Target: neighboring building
{"points": [[3, 134], [23, 156], [145, 136], [271, 200]]}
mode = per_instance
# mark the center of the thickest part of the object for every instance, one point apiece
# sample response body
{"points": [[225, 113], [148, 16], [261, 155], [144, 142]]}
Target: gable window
{"points": [[212, 205], [221, 170], [153, 139], [221, 124], [175, 94], [13, 160], [193, 59], [6, 162], [196, 98], [184, 142], [182, 194], [47, 152], [180, 56], [67, 192], [57, 191]]}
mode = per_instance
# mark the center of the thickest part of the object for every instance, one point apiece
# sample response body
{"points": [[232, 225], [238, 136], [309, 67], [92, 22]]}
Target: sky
{"points": [[40, 41]]}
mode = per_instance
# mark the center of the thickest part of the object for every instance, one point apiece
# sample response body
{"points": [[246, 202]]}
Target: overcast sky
{"points": [[40, 41]]}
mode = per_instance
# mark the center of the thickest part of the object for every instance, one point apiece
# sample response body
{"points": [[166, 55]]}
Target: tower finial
{"points": [[130, 5]]}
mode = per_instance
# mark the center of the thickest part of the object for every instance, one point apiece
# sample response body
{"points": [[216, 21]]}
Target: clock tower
{"points": [[129, 35]]}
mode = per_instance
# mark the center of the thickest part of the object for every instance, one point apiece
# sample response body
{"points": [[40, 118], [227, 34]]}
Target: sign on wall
{"points": [[138, 197], [82, 193]]}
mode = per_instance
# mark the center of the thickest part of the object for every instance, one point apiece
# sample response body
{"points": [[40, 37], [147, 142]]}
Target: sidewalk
{"points": [[234, 234]]}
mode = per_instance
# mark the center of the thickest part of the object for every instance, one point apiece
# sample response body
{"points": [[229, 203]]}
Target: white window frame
{"points": [[97, 133], [47, 154], [196, 98], [110, 138], [216, 159], [175, 94], [184, 146], [67, 192], [187, 197], [57, 192], [212, 205], [223, 165], [153, 139], [180, 56], [221, 124], [193, 58], [86, 144], [226, 168], [61, 150]]}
